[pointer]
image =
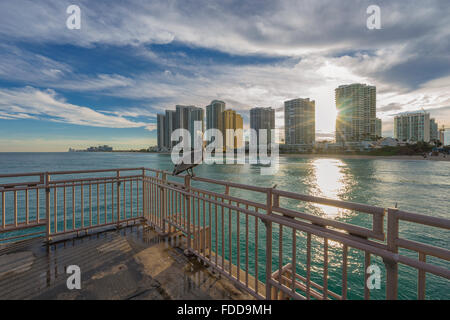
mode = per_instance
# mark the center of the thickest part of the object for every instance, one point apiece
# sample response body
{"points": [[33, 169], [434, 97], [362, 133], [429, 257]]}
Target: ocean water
{"points": [[411, 185]]}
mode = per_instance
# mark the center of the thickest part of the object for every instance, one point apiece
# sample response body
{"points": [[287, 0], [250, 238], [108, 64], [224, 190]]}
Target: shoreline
{"points": [[358, 156]]}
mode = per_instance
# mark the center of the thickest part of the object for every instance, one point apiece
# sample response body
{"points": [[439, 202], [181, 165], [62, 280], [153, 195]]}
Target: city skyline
{"points": [[105, 83]]}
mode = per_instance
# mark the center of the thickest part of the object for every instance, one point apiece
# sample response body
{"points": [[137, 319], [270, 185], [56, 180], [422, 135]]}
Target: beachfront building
{"points": [[412, 126], [160, 124], [300, 122], [214, 114], [231, 120], [356, 113], [378, 128], [434, 132], [262, 118], [196, 114]]}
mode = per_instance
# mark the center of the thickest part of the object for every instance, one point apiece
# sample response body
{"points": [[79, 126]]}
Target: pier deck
{"points": [[131, 263]]}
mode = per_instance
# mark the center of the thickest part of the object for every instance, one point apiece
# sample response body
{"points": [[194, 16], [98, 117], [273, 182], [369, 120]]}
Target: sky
{"points": [[105, 83]]}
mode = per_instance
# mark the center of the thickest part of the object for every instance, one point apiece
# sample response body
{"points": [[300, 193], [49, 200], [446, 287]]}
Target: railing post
{"points": [[144, 195], [392, 265], [118, 198], [268, 247], [187, 185], [47, 205], [163, 202]]}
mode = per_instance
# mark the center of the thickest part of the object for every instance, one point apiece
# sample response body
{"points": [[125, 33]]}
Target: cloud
{"points": [[29, 102]]}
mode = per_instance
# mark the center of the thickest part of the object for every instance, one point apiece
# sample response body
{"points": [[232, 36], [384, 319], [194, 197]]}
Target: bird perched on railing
{"points": [[188, 162]]}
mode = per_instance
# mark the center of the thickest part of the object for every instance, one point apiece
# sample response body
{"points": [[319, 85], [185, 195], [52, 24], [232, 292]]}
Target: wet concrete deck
{"points": [[130, 263]]}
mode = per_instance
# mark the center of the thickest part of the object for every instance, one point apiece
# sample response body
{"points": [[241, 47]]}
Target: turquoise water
{"points": [[418, 186]]}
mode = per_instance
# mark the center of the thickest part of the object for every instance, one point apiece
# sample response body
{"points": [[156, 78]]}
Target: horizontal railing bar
{"points": [[23, 225], [436, 270], [93, 171], [24, 236], [13, 175], [231, 184], [424, 248], [331, 202], [422, 219], [328, 222], [101, 179]]}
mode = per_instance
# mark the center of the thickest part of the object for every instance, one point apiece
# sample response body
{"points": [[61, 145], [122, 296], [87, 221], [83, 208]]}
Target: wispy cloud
{"points": [[30, 102]]}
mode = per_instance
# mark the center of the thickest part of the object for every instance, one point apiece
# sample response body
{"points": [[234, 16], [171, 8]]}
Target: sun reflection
{"points": [[329, 180]]}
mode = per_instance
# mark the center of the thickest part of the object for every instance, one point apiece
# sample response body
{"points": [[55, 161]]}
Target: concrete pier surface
{"points": [[130, 263]]}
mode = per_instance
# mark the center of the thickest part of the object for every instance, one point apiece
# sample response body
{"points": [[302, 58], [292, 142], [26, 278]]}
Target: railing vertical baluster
{"points": [[98, 203], [37, 205], [256, 253], [392, 266], [246, 247], [223, 237], [55, 208], [308, 266], [112, 201], [344, 271], [73, 208], [268, 246], [294, 259], [366, 275], [15, 207], [124, 199], [105, 194], [118, 198], [90, 204], [64, 207], [3, 210], [47, 204], [27, 212], [422, 278], [325, 268], [187, 186], [82, 205], [238, 253], [131, 198], [229, 238]]}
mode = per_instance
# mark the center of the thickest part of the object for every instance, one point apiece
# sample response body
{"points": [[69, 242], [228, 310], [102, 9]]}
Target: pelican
{"points": [[188, 162]]}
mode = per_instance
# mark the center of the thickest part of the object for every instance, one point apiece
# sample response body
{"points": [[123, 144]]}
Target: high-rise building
{"points": [[196, 114], [169, 127], [182, 116], [262, 118], [412, 126], [299, 121], [231, 120], [214, 114], [356, 107], [378, 127], [434, 132], [160, 124]]}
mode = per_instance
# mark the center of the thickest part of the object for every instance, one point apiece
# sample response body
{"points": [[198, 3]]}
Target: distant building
{"points": [[262, 118], [299, 121], [214, 115], [169, 127], [160, 124], [378, 128], [442, 136], [434, 132], [412, 126], [356, 118], [231, 120], [196, 114]]}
